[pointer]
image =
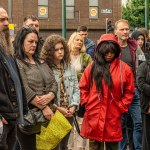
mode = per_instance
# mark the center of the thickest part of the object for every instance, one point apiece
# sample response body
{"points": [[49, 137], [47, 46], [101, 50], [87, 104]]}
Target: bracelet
{"points": [[44, 107]]}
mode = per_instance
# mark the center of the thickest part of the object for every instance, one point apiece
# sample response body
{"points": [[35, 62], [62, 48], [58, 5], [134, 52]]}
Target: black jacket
{"points": [[8, 99], [143, 83]]}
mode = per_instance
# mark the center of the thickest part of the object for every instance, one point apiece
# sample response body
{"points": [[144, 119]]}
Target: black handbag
{"points": [[81, 111], [34, 117], [33, 120]]}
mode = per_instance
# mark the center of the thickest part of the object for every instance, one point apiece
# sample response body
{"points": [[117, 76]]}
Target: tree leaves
{"points": [[134, 12]]}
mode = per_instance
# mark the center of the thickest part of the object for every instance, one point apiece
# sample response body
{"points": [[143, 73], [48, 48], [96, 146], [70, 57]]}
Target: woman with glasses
{"points": [[38, 81]]}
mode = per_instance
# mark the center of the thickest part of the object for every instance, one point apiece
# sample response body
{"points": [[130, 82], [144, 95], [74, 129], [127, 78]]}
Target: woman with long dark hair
{"points": [[38, 81], [107, 89]]}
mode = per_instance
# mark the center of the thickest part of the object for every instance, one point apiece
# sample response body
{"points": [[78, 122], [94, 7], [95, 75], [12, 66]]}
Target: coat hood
{"points": [[136, 34], [109, 37]]}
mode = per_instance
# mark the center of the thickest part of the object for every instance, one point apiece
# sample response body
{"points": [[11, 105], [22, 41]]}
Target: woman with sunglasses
{"points": [[38, 81]]}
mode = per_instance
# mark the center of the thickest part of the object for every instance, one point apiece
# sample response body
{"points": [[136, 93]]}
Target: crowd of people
{"points": [[110, 79]]}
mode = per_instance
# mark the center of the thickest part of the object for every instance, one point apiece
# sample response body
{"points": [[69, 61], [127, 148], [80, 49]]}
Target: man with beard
{"points": [[11, 96]]}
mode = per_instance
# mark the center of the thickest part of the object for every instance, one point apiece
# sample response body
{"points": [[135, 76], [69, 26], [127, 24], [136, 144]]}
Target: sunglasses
{"points": [[3, 19]]}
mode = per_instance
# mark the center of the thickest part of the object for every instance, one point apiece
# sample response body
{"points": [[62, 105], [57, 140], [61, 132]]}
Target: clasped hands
{"points": [[42, 103], [67, 112]]}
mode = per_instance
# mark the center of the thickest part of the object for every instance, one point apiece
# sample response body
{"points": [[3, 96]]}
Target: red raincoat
{"points": [[102, 119]]}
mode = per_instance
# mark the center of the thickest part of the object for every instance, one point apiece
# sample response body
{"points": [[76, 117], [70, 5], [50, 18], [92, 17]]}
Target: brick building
{"points": [[92, 13]]}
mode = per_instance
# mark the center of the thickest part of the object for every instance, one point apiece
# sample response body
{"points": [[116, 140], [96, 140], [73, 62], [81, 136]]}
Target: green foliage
{"points": [[134, 12]]}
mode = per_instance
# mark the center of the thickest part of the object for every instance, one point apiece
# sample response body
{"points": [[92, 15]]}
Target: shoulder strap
{"points": [[76, 124]]}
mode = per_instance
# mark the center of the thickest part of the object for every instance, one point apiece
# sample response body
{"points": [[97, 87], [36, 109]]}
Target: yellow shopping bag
{"points": [[56, 130]]}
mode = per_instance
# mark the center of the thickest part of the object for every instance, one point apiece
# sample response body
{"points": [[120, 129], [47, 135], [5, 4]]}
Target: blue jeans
{"points": [[135, 112]]}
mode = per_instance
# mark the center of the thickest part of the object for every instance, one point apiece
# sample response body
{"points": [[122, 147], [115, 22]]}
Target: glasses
{"points": [[3, 19], [29, 28]]}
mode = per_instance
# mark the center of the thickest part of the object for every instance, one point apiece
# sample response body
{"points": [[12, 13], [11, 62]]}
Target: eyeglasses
{"points": [[29, 28], [3, 19]]}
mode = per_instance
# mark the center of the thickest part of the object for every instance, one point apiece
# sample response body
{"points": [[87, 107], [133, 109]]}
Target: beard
{"points": [[5, 40]]}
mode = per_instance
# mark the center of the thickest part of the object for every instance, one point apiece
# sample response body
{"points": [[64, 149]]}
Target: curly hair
{"points": [[48, 49], [19, 42], [71, 42]]}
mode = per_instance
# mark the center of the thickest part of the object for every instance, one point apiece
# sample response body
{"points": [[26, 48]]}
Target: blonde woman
{"points": [[79, 59]]}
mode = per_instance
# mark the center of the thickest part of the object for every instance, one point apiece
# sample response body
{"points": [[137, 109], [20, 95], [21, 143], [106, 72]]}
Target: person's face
{"points": [[3, 20], [59, 52], [32, 23], [30, 44], [140, 40], [84, 34], [122, 31], [109, 57], [78, 42]]}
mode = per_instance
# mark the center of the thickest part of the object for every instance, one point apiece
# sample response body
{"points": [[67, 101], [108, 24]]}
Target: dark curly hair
{"points": [[48, 49], [19, 42]]}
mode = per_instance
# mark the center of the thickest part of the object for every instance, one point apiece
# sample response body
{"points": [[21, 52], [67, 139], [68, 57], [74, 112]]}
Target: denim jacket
{"points": [[70, 83]]}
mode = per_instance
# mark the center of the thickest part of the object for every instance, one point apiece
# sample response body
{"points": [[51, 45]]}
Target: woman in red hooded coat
{"points": [[107, 89]]}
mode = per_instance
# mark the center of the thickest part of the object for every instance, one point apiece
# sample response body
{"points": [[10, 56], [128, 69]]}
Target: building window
{"points": [[43, 9], [69, 9], [93, 9]]}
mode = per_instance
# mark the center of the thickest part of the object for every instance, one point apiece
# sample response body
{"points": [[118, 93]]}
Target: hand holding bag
{"points": [[56, 130]]}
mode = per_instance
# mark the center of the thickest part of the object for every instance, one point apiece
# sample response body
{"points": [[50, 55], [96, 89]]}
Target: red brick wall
{"points": [[21, 8]]}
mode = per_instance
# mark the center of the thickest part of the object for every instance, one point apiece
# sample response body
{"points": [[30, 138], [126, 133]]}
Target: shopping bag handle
{"points": [[76, 124]]}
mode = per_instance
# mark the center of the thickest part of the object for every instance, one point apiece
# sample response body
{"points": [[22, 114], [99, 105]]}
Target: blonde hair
{"points": [[121, 20], [71, 42]]}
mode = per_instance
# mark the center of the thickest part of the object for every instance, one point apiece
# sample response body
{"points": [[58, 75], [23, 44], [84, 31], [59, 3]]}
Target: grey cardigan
{"points": [[32, 80]]}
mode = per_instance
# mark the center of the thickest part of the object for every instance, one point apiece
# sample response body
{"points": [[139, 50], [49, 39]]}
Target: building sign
{"points": [[11, 29], [43, 11], [106, 11], [93, 12]]}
